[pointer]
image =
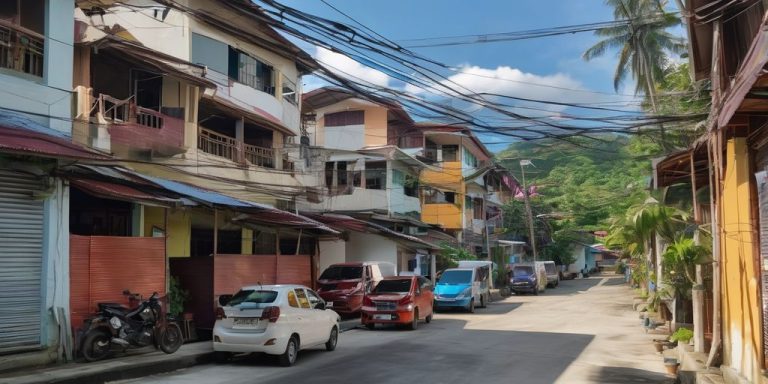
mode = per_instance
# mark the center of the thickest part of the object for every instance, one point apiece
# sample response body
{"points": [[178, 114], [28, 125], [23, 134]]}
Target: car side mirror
{"points": [[320, 305], [224, 299]]}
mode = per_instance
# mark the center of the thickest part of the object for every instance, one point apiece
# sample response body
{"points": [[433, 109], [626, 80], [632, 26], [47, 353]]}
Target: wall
{"points": [[372, 133], [370, 247], [179, 229], [742, 337], [579, 253], [331, 252], [447, 215]]}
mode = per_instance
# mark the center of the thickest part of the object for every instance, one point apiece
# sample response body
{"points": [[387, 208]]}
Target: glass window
{"points": [[289, 91], [303, 300], [292, 299], [376, 175], [450, 152], [313, 298], [340, 119], [456, 277], [522, 271], [342, 273], [393, 286], [254, 73], [253, 296]]}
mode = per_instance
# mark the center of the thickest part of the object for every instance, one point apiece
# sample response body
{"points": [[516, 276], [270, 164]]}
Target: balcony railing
{"points": [[229, 148], [263, 157], [20, 49], [218, 145]]}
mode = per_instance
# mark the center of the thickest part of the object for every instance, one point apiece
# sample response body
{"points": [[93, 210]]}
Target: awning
{"points": [[750, 70], [236, 107], [284, 219], [26, 141], [107, 190]]}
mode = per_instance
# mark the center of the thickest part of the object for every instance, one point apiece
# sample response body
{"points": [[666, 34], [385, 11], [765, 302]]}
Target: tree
{"points": [[643, 43]]}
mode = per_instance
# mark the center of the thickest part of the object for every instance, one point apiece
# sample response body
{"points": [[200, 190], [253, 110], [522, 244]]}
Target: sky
{"points": [[553, 61]]}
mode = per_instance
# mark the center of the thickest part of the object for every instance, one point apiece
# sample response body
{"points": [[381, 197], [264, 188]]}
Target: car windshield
{"points": [[522, 271], [252, 296], [393, 286], [342, 273], [455, 277]]}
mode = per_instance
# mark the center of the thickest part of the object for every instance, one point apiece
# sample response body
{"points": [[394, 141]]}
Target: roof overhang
{"points": [[237, 109], [22, 141]]}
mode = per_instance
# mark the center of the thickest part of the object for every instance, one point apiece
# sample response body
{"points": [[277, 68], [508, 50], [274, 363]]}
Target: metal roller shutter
{"points": [[21, 261]]}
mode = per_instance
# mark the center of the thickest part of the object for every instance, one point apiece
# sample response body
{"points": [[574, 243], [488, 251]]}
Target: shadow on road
{"points": [[498, 308], [627, 375]]}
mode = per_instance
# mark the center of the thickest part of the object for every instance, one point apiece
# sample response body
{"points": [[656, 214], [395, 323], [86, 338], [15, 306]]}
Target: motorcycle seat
{"points": [[112, 307]]}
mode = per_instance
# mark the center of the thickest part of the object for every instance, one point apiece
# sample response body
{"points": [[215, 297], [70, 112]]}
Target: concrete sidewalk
{"points": [[130, 365]]}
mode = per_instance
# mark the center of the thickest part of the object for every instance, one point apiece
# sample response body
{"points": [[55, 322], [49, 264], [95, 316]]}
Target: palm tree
{"points": [[643, 43]]}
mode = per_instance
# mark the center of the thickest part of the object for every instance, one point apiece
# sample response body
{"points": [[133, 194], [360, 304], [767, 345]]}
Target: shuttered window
{"points": [[21, 261]]}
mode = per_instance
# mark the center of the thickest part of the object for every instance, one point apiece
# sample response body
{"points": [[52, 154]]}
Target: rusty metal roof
{"points": [[33, 142]]}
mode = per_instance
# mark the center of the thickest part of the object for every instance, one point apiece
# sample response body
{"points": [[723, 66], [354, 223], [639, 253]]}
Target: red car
{"points": [[398, 300]]}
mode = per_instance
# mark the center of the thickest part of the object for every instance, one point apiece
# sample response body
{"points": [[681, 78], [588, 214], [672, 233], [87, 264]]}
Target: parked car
{"points": [[463, 288], [343, 285], [527, 278], [274, 319], [398, 300], [553, 275]]}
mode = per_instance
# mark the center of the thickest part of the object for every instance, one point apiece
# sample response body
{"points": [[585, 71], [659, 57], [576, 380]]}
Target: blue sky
{"points": [[554, 61]]}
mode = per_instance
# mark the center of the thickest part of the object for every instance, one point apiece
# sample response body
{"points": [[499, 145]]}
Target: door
{"points": [[322, 327], [21, 261], [426, 297], [305, 323]]}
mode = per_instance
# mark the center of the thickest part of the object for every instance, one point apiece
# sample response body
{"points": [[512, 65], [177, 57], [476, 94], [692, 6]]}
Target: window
{"points": [[376, 175], [477, 207], [209, 52], [341, 175], [411, 186], [469, 158], [251, 71], [393, 286], [289, 91], [398, 179], [292, 299], [339, 119], [329, 168], [450, 152], [22, 51], [303, 301], [313, 298], [434, 196], [252, 296]]}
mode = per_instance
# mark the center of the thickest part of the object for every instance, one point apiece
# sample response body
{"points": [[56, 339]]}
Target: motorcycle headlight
{"points": [[115, 322]]}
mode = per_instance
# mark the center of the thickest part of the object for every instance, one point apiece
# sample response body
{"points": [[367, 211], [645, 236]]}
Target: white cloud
{"points": [[351, 69]]}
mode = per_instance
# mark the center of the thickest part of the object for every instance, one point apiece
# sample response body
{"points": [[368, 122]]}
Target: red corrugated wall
{"points": [[294, 269], [79, 277], [101, 267], [230, 272]]}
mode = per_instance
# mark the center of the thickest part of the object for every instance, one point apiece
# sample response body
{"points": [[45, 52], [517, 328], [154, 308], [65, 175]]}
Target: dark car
{"points": [[524, 279]]}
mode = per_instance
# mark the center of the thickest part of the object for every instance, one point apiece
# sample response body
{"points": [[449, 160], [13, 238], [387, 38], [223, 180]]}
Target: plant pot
{"points": [[672, 368], [659, 345]]}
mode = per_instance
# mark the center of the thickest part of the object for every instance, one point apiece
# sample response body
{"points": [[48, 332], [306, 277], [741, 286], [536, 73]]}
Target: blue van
{"points": [[462, 288]]}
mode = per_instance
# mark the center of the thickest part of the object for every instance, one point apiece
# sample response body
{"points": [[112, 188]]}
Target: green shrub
{"points": [[682, 334]]}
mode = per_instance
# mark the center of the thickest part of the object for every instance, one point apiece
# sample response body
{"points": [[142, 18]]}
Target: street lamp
{"points": [[529, 214]]}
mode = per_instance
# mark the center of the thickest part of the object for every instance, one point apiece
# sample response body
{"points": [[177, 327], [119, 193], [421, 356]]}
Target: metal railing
{"points": [[21, 49], [263, 157], [218, 145], [126, 110]]}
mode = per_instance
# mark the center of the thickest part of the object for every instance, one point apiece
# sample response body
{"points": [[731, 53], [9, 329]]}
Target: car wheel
{"points": [[330, 345], [536, 291], [471, 308], [415, 322], [428, 319], [291, 351], [370, 326], [483, 302]]}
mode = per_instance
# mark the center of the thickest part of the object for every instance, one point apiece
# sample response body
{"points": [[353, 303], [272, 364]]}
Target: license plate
{"points": [[382, 317], [246, 322], [329, 303]]}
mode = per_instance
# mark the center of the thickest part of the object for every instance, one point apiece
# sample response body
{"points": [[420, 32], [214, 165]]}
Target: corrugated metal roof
{"points": [[350, 223], [109, 190], [202, 195], [32, 142]]}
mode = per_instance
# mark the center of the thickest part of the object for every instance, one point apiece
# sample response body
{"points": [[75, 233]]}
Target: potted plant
{"points": [[176, 297], [671, 365], [682, 334]]}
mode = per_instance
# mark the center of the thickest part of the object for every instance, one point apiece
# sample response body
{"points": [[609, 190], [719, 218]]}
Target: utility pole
{"points": [[528, 212]]}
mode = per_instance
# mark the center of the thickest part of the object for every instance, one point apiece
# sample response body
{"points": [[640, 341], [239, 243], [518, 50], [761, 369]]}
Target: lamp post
{"points": [[528, 212]]}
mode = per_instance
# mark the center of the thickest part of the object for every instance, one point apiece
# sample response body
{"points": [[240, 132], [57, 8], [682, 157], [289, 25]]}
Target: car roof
{"points": [[274, 287], [459, 269], [404, 277]]}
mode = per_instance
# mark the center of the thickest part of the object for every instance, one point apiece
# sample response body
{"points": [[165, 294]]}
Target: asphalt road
{"points": [[582, 332]]}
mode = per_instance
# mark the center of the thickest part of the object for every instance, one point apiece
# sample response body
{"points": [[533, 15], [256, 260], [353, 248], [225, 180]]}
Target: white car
{"points": [[274, 319]]}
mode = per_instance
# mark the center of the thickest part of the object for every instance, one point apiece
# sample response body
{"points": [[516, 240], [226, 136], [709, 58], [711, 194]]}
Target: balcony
{"points": [[134, 128], [230, 148], [21, 50]]}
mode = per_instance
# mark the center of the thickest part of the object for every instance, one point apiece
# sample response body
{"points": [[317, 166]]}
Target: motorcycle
{"points": [[116, 327]]}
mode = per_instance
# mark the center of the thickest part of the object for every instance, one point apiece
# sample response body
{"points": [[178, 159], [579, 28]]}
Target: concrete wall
{"points": [[741, 317], [50, 95], [331, 252], [370, 247], [373, 132]]}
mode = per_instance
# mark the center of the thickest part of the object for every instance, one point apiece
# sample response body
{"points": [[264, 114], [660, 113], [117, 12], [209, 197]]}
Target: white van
{"points": [[553, 277]]}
